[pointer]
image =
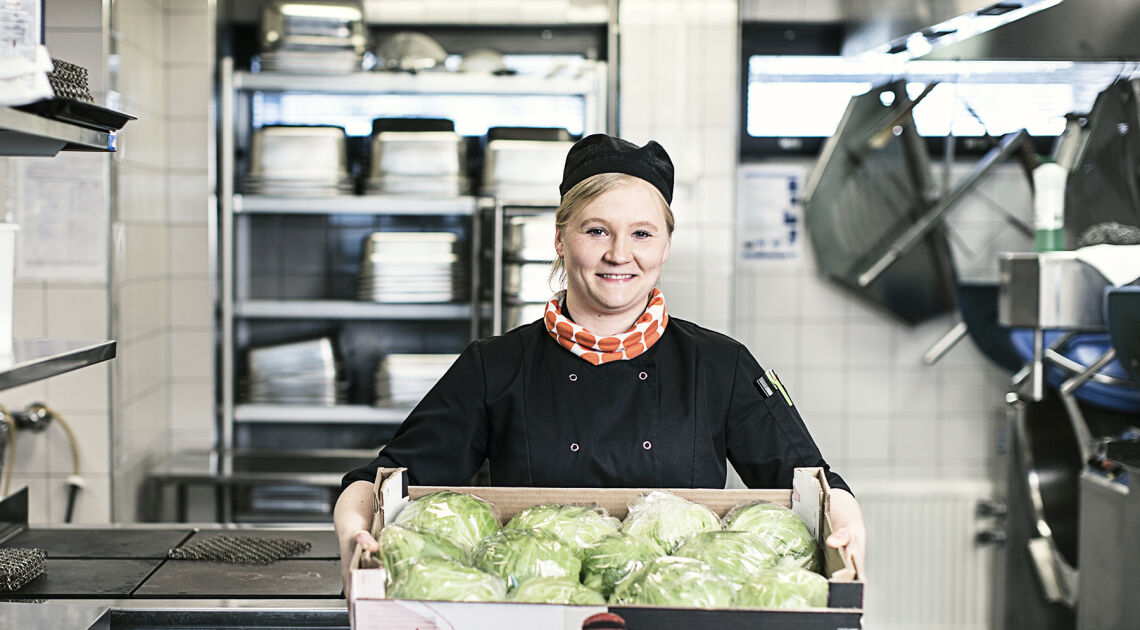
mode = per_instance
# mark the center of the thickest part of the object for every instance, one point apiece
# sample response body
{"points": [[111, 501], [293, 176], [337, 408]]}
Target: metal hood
{"points": [[906, 29], [1075, 30]]}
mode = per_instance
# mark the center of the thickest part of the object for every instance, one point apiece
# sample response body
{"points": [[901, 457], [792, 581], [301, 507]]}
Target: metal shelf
{"points": [[355, 204], [27, 134], [36, 359], [425, 82], [348, 309], [344, 414]]}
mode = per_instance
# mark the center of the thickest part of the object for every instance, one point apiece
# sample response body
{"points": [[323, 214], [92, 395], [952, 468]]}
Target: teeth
{"points": [[616, 275]]}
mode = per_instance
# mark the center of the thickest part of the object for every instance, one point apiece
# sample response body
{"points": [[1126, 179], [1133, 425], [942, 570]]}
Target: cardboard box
{"points": [[809, 498]]}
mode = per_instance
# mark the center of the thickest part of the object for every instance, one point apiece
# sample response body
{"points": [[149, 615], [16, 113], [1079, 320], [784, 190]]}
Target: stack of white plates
{"points": [[302, 373], [527, 282], [403, 379], [298, 161], [411, 267]]}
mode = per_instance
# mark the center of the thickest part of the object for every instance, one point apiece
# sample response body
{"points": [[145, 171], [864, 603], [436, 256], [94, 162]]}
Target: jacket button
{"points": [[573, 377], [643, 376], [647, 445], [574, 447]]}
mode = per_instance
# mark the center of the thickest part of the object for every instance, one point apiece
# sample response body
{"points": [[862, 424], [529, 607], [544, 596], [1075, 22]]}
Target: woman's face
{"points": [[613, 251]]}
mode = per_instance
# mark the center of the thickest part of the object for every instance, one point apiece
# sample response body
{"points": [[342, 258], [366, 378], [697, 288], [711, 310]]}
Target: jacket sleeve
{"points": [[766, 438], [444, 440]]}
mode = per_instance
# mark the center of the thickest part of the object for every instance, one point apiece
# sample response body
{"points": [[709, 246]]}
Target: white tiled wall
{"points": [[65, 309], [678, 86]]}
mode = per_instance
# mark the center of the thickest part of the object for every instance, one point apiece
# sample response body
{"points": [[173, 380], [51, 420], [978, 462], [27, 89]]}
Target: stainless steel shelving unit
{"points": [[342, 414], [348, 309], [24, 134], [355, 204]]}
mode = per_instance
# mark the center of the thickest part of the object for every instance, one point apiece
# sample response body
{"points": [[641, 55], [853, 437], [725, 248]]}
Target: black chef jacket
{"points": [[668, 418]]}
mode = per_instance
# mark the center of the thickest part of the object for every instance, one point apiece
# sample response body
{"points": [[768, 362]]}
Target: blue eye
{"points": [[595, 232], [642, 234]]}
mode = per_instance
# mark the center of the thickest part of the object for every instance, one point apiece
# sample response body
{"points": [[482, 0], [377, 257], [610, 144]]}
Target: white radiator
{"points": [[925, 571]]}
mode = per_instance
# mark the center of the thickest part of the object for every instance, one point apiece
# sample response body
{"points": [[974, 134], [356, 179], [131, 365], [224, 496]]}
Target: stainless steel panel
{"points": [[1050, 290], [285, 578]]}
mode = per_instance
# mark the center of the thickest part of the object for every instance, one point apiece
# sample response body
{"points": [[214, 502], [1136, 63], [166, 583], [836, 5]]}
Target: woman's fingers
{"points": [[365, 539], [839, 538]]}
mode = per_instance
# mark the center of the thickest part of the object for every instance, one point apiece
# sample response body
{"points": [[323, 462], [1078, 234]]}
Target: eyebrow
{"points": [[635, 225]]}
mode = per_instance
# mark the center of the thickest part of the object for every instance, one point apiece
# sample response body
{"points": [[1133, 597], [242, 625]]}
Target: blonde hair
{"points": [[585, 192]]}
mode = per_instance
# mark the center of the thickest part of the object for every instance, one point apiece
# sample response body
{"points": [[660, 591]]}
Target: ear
{"points": [[558, 242], [665, 256]]}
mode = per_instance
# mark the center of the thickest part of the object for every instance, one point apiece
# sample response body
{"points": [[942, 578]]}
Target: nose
{"points": [[618, 252]]}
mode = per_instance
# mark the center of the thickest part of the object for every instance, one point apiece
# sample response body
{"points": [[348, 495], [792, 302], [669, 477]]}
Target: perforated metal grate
{"points": [[240, 549]]}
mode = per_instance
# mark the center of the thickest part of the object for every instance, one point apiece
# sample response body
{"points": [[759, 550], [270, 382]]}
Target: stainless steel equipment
{"points": [[304, 372], [410, 51], [1109, 520], [298, 161], [1050, 290], [403, 379], [411, 267], [525, 163], [870, 185], [312, 36]]}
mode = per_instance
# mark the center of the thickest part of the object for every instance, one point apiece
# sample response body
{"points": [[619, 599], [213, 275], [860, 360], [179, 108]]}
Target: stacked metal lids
{"points": [[303, 373], [313, 36], [528, 251], [298, 160], [525, 162], [403, 379], [412, 267], [417, 156], [409, 51]]}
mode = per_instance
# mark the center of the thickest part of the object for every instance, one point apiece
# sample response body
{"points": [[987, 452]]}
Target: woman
{"points": [[606, 390]]}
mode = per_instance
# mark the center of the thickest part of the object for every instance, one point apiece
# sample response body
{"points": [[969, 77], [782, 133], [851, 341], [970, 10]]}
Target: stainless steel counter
{"points": [[128, 614]]}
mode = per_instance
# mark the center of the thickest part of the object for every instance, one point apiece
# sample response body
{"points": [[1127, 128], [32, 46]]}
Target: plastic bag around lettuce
{"points": [[401, 546], [517, 555], [675, 581], [557, 590], [574, 525], [668, 519], [440, 579], [462, 519], [610, 559], [784, 588], [786, 532], [736, 555]]}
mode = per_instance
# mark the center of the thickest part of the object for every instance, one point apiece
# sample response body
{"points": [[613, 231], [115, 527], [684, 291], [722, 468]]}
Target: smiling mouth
{"points": [[615, 276]]}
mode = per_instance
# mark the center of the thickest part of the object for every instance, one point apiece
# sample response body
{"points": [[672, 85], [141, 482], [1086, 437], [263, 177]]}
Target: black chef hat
{"points": [[599, 153]]}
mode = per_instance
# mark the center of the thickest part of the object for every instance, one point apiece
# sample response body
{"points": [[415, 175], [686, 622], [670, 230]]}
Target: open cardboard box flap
{"points": [[809, 498]]}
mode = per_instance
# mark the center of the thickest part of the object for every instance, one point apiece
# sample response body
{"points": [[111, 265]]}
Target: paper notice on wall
{"points": [[62, 208], [770, 213]]}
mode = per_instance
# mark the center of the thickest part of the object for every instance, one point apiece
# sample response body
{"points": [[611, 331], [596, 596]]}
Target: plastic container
{"points": [[1049, 207]]}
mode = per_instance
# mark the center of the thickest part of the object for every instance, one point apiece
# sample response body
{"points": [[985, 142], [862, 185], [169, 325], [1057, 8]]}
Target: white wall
{"points": [[154, 296]]}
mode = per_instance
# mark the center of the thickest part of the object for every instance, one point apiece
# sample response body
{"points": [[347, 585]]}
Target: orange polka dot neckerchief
{"points": [[627, 345]]}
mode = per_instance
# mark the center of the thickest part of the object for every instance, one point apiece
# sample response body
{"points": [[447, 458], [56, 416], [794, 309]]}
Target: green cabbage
{"points": [[400, 547], [668, 519], [575, 525], [459, 518], [610, 559], [736, 555], [786, 532], [520, 554], [674, 581], [557, 590], [440, 579], [784, 588]]}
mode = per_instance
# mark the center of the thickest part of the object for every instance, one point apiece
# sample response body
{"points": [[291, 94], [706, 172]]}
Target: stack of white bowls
{"points": [[301, 373], [403, 379], [411, 267]]}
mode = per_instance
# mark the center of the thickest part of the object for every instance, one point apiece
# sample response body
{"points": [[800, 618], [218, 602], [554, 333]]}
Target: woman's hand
{"points": [[848, 534], [352, 518]]}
